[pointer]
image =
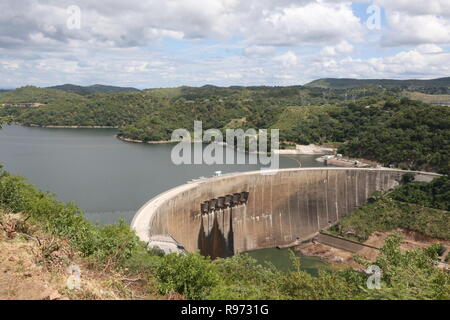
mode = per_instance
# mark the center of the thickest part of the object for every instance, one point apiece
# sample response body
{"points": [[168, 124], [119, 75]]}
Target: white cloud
{"points": [[414, 62], [287, 60], [415, 22], [288, 68], [136, 22], [417, 7], [255, 51], [413, 30], [136, 66], [423, 62], [10, 65], [429, 48], [315, 22], [342, 48], [225, 42]]}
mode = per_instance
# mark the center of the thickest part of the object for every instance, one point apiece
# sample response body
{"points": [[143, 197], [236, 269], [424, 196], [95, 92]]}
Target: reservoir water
{"points": [[108, 178]]}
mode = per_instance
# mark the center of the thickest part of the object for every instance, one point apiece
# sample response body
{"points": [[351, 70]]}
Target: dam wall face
{"points": [[234, 213]]}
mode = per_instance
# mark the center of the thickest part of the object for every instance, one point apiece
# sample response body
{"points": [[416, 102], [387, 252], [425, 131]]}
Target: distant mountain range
{"points": [[441, 85], [96, 88], [345, 83], [331, 83]]}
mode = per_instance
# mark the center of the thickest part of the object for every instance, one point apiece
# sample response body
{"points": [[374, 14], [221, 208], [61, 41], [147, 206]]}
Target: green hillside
{"points": [[97, 88], [299, 124], [413, 135], [30, 94]]}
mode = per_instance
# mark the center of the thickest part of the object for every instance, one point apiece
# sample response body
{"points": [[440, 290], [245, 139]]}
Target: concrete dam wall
{"points": [[240, 212]]}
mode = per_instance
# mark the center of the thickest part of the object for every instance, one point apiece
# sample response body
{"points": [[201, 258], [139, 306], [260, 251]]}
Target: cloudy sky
{"points": [[166, 43]]}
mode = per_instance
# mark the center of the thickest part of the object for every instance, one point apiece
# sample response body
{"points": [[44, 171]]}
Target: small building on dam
{"points": [[239, 212]]}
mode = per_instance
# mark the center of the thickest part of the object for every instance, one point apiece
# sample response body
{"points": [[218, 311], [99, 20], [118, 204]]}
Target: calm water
{"points": [[282, 260], [106, 177]]}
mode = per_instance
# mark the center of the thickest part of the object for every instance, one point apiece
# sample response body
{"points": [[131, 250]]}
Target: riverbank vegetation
{"points": [[116, 250]]}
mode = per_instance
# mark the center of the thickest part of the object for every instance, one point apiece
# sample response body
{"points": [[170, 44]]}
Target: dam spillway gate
{"points": [[216, 239], [216, 217]]}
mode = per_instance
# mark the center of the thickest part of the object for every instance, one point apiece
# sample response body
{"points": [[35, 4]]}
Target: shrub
{"points": [[115, 243], [192, 275], [435, 194], [410, 274], [243, 278], [12, 197], [407, 178]]}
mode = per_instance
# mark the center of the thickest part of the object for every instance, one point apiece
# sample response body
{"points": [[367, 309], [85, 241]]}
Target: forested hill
{"points": [[343, 83], [368, 122], [31, 94], [96, 88]]}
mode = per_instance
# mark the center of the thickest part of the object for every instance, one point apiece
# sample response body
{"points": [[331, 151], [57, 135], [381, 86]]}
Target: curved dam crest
{"points": [[239, 212]]}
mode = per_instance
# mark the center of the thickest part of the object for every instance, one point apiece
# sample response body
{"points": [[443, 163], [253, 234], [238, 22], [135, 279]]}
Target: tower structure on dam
{"points": [[240, 212]]}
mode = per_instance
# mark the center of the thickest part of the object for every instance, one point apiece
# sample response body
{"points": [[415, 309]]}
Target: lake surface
{"points": [[106, 177]]}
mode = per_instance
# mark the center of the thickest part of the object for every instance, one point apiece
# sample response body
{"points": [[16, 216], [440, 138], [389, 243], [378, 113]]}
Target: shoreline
{"points": [[311, 149], [147, 142], [68, 127], [300, 149], [278, 151], [341, 161], [319, 151]]}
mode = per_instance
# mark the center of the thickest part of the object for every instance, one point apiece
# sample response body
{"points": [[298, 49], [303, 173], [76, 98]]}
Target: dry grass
{"points": [[35, 266], [439, 99]]}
